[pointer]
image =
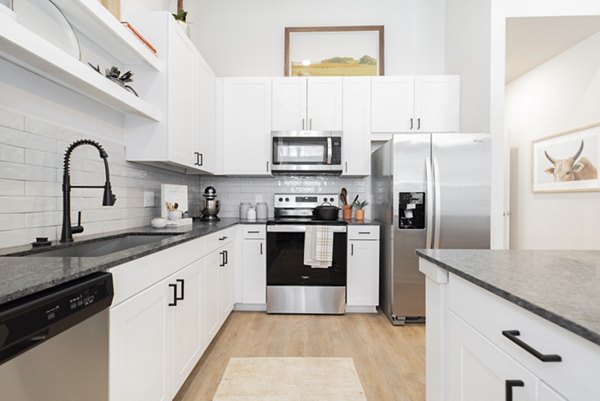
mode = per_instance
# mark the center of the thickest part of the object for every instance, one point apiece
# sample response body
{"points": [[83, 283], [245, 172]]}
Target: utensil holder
{"points": [[347, 212]]}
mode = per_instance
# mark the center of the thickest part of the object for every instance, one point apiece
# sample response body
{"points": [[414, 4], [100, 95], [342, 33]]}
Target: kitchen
{"points": [[40, 118]]}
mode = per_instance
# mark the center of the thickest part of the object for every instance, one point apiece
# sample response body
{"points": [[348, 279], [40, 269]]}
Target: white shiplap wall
{"points": [[31, 159]]}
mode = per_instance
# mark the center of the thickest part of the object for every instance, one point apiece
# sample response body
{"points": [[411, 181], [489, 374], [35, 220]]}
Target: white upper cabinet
{"points": [[416, 104], [324, 109], [184, 91], [307, 104], [356, 141], [289, 104], [392, 104], [437, 103], [246, 126]]}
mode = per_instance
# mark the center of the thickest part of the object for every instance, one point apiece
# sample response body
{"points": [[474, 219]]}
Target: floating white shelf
{"points": [[22, 47], [94, 21]]}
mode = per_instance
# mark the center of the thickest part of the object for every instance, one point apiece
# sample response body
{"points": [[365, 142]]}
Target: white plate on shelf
{"points": [[46, 20]]}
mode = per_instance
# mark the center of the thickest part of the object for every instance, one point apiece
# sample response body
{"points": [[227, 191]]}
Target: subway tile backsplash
{"points": [[233, 190], [31, 156]]}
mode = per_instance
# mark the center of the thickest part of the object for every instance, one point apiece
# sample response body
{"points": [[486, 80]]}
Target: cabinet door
{"points": [[325, 103], [363, 273], [210, 297], [182, 106], [226, 281], [356, 141], [478, 370], [138, 353], [205, 132], [246, 121], [392, 104], [437, 103], [254, 272], [289, 104], [186, 345]]}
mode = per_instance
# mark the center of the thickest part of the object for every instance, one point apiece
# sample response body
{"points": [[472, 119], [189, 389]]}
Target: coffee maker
{"points": [[210, 205]]}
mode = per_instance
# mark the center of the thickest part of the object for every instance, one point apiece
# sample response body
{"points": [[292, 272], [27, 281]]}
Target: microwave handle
{"points": [[329, 151]]}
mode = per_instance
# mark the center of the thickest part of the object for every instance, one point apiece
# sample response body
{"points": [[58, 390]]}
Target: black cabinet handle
{"points": [[261, 252], [222, 262], [182, 282], [267, 166], [411, 123], [512, 336], [174, 287], [253, 232], [351, 249], [226, 257], [418, 123], [222, 238], [364, 232], [509, 384]]}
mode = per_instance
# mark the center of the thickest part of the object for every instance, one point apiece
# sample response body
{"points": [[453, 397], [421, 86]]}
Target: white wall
{"points": [[560, 95], [246, 38]]}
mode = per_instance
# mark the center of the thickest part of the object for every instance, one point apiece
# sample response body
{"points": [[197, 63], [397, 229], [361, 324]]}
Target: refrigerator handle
{"points": [[429, 203], [438, 203]]}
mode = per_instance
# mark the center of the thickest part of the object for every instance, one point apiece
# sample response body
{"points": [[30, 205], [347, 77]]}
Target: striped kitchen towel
{"points": [[318, 246]]}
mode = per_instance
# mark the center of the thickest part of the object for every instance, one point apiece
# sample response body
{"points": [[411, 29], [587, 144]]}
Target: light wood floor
{"points": [[390, 360]]}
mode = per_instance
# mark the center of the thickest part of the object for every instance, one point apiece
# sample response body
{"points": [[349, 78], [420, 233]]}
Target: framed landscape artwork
{"points": [[568, 161], [334, 51]]}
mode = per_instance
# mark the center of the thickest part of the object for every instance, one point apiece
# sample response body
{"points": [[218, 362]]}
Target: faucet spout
{"points": [[108, 198]]}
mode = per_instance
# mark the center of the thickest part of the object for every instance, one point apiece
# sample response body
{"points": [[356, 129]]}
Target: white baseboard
{"points": [[250, 307], [361, 309]]}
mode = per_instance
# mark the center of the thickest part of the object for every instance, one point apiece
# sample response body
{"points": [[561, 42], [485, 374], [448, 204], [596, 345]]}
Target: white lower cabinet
{"points": [[139, 346], [478, 370], [187, 343], [254, 270], [159, 327], [362, 289], [471, 356]]}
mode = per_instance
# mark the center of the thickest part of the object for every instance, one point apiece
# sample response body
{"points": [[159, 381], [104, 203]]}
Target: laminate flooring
{"points": [[390, 360]]}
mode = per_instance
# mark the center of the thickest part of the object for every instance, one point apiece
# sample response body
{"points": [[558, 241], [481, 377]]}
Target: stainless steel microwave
{"points": [[307, 152]]}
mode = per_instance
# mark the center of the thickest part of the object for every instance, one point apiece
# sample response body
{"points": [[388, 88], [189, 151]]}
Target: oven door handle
{"points": [[329, 151], [292, 228]]}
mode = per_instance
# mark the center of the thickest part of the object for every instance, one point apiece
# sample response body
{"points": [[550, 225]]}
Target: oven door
{"points": [[306, 151], [292, 286]]}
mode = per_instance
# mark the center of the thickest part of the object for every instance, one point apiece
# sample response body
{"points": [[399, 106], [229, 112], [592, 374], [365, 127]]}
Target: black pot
{"points": [[326, 212]]}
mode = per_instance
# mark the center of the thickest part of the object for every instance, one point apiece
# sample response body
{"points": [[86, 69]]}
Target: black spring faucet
{"points": [[108, 198]]}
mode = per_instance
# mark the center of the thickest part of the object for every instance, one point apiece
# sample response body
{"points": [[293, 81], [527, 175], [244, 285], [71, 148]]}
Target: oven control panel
{"points": [[303, 201]]}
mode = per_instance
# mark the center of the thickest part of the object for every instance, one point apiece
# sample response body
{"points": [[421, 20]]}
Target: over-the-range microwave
{"points": [[307, 152]]}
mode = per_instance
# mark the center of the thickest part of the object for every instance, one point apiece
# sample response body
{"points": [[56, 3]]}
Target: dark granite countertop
{"points": [[24, 275], [560, 286]]}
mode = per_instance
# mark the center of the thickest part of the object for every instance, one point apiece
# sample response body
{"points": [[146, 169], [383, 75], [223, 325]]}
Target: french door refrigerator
{"points": [[428, 191]]}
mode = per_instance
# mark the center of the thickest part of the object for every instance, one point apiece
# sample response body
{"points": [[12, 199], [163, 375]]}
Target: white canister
{"points": [[244, 206], [251, 214], [262, 211]]}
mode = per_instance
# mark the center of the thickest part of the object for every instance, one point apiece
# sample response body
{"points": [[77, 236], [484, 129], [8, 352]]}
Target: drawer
{"points": [[363, 232], [254, 231], [574, 376], [214, 241]]}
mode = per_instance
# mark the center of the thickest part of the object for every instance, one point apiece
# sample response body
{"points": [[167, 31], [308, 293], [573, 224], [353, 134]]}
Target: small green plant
{"points": [[181, 16], [360, 205]]}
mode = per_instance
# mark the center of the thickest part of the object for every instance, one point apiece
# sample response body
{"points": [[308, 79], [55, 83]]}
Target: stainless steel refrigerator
{"points": [[428, 191]]}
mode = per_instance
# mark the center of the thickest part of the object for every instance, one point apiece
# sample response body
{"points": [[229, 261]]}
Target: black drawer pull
{"points": [[226, 254], [508, 389], [365, 232], [222, 262], [182, 282], [253, 232], [512, 336], [222, 238], [174, 287]]}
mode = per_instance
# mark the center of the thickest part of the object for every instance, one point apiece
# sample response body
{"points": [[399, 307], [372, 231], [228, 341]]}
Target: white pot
{"points": [[159, 222], [176, 215]]}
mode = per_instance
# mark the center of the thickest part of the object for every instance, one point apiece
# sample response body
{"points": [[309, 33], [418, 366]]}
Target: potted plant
{"points": [[360, 209], [181, 17]]}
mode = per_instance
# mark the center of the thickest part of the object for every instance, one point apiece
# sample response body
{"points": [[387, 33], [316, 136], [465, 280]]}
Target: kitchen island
{"points": [[512, 323]]}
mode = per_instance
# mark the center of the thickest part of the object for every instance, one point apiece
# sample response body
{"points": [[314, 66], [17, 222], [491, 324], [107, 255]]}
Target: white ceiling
{"points": [[532, 41]]}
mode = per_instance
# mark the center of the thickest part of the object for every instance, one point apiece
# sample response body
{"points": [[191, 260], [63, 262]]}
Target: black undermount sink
{"points": [[97, 247]]}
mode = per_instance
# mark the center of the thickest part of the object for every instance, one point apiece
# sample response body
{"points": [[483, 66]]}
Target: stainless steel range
{"points": [[292, 286]]}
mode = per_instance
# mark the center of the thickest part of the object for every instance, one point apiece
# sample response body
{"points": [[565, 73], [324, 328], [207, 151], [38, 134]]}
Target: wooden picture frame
{"points": [[567, 161], [350, 65]]}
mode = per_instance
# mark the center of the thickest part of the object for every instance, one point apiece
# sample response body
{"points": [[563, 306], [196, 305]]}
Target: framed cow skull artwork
{"points": [[568, 161]]}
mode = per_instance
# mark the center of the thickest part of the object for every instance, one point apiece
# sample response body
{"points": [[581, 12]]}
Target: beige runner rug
{"points": [[290, 379]]}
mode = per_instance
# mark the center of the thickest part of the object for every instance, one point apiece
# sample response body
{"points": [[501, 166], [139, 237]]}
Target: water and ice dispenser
{"points": [[411, 210]]}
